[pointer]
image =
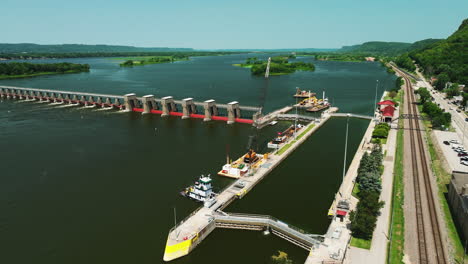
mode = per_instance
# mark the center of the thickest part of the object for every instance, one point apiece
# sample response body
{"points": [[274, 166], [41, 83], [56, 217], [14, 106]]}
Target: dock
{"points": [[187, 234]]}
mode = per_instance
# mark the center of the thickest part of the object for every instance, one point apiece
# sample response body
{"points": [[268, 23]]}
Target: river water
{"points": [[92, 186]]}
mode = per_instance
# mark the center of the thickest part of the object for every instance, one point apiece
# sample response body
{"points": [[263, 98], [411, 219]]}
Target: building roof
{"points": [[388, 111], [386, 102], [460, 179], [340, 212]]}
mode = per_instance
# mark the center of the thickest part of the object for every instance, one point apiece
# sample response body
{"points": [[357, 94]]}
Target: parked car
{"points": [[454, 141], [446, 142], [464, 158], [462, 154], [466, 119], [464, 162]]}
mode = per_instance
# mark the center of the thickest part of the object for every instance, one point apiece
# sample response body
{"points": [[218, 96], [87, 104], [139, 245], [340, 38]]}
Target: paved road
{"points": [[458, 119]]}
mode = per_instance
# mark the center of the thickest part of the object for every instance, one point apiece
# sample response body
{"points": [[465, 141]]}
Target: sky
{"points": [[228, 24]]}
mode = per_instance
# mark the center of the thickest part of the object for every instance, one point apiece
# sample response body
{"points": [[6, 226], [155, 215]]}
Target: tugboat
{"points": [[202, 191]]}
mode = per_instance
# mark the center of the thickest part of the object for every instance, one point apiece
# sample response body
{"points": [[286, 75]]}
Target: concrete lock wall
{"points": [[233, 111], [188, 107], [168, 105], [210, 109]]}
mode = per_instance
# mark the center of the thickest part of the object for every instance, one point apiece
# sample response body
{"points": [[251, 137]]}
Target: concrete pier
{"points": [[148, 103], [168, 105], [188, 107], [233, 112], [129, 102], [210, 109]]}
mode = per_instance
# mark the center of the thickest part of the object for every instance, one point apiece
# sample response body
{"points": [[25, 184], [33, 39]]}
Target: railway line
{"points": [[429, 236]]}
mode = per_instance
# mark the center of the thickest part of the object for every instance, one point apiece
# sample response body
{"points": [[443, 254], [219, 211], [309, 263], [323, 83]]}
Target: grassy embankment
{"points": [[4, 77], [361, 243], [396, 245], [287, 146]]}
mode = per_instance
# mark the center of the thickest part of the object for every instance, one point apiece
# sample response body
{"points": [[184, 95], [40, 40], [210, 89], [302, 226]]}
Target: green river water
{"points": [[92, 186]]}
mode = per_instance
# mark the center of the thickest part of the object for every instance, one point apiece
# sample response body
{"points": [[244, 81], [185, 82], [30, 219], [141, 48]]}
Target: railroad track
{"points": [[427, 239]]}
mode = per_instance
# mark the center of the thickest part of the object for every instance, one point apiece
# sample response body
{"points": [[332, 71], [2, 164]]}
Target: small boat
{"points": [[272, 123], [201, 191]]}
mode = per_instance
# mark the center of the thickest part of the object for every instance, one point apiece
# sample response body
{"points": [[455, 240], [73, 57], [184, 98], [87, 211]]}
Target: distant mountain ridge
{"points": [[387, 48], [79, 48]]}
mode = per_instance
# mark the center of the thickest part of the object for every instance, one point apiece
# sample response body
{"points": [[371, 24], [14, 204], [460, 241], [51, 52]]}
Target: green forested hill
{"points": [[387, 48], [447, 59], [377, 47], [77, 48]]}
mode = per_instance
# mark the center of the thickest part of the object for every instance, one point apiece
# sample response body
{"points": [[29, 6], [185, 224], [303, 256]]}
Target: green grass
{"points": [[3, 77], [443, 178], [355, 190], [361, 243], [285, 147], [242, 65], [305, 131], [397, 217]]}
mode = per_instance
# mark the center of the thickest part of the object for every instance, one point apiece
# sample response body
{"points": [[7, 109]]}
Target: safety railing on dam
{"points": [[266, 222], [148, 104]]}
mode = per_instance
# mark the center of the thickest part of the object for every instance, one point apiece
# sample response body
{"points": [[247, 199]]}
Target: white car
{"points": [[454, 141], [464, 162]]}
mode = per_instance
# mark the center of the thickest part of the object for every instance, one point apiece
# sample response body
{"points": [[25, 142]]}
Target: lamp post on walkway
{"points": [[375, 100], [346, 146]]}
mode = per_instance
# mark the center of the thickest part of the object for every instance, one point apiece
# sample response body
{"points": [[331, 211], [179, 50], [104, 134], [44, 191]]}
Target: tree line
{"points": [[23, 68], [364, 218], [439, 118], [179, 54]]}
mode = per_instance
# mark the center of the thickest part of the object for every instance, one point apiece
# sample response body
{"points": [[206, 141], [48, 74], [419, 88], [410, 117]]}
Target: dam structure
{"points": [[166, 106]]}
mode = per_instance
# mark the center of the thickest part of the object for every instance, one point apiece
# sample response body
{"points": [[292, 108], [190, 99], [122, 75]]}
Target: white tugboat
{"points": [[202, 191]]}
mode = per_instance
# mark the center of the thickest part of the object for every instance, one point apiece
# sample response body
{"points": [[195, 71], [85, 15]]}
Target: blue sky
{"points": [[210, 24]]}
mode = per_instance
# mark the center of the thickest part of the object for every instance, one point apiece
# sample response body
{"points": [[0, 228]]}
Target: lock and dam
{"points": [[191, 231]]}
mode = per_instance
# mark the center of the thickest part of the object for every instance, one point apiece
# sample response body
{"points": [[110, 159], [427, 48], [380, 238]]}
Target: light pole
{"points": [[346, 147], [375, 100]]}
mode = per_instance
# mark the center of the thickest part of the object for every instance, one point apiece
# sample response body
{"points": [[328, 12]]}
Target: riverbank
{"points": [[7, 77]]}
